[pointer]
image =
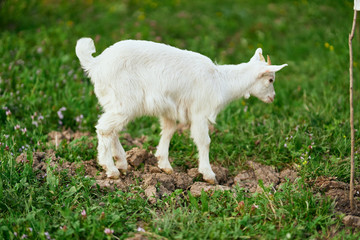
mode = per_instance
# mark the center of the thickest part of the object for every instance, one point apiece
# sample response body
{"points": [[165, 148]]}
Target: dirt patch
{"points": [[42, 160], [270, 177], [55, 137], [351, 221], [143, 171], [339, 191]]}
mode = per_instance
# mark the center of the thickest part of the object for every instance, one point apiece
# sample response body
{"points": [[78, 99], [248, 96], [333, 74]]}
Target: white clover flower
{"points": [[108, 231], [140, 229]]}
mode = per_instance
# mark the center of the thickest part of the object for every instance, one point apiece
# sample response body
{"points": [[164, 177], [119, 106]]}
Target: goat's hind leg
{"points": [[119, 154], [108, 125], [168, 127]]}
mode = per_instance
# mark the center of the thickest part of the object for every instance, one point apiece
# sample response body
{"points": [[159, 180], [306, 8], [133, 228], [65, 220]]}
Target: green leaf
{"points": [[204, 201], [71, 191], [193, 201]]}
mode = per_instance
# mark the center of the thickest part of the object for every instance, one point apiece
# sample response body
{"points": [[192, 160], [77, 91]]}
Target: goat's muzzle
{"points": [[271, 99]]}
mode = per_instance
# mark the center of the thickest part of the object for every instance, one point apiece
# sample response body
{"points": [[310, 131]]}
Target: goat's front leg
{"points": [[106, 129], [200, 134], [162, 153]]}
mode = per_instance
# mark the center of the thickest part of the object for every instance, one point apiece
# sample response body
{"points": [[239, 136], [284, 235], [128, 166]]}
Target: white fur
{"points": [[135, 78]]}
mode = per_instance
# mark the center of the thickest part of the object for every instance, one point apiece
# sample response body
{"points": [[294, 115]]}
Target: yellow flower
{"points": [[141, 16], [327, 45], [331, 48]]}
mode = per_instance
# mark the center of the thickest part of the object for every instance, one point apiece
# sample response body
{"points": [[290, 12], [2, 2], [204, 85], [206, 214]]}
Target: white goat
{"points": [[136, 78]]}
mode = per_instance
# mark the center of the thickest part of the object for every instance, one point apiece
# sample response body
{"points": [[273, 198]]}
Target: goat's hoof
{"points": [[211, 181], [167, 170], [122, 168], [113, 174], [209, 176]]}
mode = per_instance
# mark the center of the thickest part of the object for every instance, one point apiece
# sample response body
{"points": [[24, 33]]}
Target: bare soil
{"points": [[143, 171], [339, 191]]}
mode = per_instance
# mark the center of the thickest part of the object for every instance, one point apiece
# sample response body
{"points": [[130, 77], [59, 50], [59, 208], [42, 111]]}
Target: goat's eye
{"points": [[271, 80]]}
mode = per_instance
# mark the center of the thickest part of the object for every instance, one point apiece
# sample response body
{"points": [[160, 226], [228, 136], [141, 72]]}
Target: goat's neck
{"points": [[238, 80]]}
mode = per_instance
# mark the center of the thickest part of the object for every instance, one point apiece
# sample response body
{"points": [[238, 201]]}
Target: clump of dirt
{"points": [[197, 187], [339, 191], [137, 156], [248, 179], [351, 221]]}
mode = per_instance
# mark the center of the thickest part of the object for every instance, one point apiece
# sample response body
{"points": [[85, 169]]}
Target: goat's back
{"points": [[156, 77], [156, 64]]}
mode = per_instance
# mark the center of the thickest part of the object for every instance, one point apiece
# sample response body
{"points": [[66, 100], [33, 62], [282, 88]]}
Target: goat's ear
{"points": [[257, 56], [273, 68]]}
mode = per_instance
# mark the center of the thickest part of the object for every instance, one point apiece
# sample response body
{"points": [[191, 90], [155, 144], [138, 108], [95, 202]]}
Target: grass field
{"points": [[43, 88]]}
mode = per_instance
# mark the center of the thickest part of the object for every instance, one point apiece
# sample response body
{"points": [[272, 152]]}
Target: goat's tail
{"points": [[84, 49]]}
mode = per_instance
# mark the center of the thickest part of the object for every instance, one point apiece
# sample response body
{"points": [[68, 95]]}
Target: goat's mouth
{"points": [[270, 99]]}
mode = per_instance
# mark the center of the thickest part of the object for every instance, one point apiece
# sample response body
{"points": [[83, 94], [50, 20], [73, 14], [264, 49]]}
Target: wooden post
{"points": [[352, 170]]}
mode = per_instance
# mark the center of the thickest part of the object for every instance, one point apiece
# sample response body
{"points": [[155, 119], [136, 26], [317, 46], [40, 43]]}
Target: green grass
{"points": [[40, 74]]}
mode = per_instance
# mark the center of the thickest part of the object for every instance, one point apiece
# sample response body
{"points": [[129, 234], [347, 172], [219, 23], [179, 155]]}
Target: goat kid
{"points": [[133, 78]]}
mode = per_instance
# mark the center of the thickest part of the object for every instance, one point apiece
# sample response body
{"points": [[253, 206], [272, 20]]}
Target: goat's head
{"points": [[263, 87]]}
